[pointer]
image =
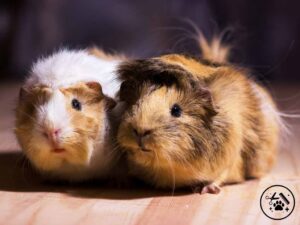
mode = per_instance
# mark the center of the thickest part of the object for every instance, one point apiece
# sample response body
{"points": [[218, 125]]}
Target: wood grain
{"points": [[26, 199]]}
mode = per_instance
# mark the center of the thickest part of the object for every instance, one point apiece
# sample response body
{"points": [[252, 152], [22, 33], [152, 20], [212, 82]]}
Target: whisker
{"points": [[30, 117], [172, 174]]}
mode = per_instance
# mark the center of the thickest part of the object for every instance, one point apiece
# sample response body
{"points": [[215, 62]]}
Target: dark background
{"points": [[265, 34]]}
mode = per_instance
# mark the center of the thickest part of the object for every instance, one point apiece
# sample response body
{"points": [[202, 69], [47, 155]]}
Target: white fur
{"points": [[54, 107], [48, 113], [67, 67]]}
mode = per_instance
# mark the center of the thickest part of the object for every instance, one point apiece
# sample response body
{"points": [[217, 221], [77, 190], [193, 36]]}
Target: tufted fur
{"points": [[67, 67], [228, 130]]}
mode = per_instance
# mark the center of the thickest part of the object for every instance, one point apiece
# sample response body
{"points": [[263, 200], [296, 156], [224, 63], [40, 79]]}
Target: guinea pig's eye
{"points": [[76, 104], [176, 110]]}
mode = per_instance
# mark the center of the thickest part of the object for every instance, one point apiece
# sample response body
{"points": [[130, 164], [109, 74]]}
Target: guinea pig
{"points": [[65, 115], [196, 122]]}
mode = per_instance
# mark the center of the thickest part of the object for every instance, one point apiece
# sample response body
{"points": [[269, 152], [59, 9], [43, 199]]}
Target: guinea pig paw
{"points": [[210, 189]]}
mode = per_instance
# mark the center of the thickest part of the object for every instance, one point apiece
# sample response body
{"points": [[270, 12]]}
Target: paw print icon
{"points": [[277, 202], [278, 206]]}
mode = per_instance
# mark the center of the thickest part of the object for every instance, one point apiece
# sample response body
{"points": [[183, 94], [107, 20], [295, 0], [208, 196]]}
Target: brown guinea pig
{"points": [[65, 117], [196, 122]]}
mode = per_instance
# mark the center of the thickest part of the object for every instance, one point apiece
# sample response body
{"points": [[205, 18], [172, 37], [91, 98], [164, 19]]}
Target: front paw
{"points": [[211, 188]]}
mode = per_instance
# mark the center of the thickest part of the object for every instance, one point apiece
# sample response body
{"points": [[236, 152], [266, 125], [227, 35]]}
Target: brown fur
{"points": [[222, 136]]}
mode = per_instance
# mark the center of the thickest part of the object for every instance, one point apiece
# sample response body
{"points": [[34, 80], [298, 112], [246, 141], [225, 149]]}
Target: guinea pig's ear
{"points": [[109, 103], [205, 95], [23, 94], [128, 91], [95, 86]]}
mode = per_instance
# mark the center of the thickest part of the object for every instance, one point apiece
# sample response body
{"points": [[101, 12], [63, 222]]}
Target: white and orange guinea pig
{"points": [[196, 122], [65, 117]]}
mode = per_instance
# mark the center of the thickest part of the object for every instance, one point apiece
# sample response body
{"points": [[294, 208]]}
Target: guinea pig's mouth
{"points": [[144, 149], [58, 150]]}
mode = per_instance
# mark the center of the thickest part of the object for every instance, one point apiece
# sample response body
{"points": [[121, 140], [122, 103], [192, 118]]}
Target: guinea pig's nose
{"points": [[52, 134], [140, 135]]}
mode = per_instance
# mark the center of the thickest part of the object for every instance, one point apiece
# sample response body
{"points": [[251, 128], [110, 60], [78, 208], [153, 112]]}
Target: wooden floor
{"points": [[25, 199]]}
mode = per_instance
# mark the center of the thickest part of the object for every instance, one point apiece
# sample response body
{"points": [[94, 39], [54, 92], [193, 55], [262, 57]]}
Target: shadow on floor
{"points": [[16, 175]]}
